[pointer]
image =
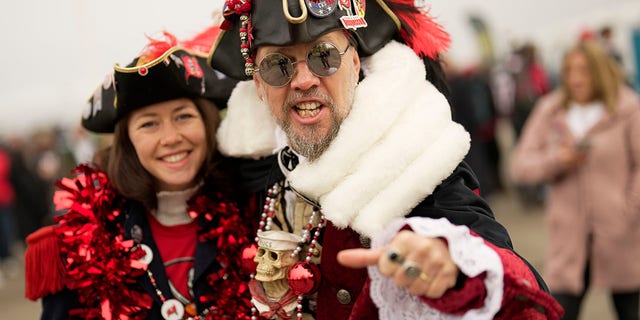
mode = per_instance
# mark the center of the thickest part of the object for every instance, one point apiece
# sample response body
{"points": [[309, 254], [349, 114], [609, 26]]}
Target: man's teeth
{"points": [[175, 157], [308, 105], [308, 109]]}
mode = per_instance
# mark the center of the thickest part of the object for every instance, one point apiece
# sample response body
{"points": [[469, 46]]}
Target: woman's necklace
{"points": [[171, 309]]}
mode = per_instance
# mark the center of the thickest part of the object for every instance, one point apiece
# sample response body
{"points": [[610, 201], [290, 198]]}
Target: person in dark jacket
{"points": [[154, 232], [31, 204]]}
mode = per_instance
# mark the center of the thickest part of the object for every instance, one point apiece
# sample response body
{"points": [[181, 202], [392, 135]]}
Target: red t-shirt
{"points": [[177, 246]]}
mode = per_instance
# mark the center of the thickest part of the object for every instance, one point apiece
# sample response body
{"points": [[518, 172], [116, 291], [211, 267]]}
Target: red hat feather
{"points": [[200, 44], [203, 41], [419, 30]]}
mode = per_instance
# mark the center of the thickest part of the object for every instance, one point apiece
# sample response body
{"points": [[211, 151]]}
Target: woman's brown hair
{"points": [[128, 176], [605, 73]]}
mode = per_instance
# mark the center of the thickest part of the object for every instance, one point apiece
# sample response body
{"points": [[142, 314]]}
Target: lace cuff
{"points": [[469, 253]]}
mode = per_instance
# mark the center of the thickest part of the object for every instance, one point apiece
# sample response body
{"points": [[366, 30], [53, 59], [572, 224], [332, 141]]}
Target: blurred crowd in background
{"points": [[503, 92], [29, 166]]}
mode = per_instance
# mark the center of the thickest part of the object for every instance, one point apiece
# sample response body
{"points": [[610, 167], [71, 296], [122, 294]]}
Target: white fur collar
{"points": [[397, 144], [248, 130]]}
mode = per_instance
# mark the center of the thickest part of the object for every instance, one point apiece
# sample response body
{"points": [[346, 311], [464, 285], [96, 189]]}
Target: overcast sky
{"points": [[57, 52]]}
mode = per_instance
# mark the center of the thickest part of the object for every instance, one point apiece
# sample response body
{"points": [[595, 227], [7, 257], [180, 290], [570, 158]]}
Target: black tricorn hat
{"points": [[252, 23], [177, 73]]}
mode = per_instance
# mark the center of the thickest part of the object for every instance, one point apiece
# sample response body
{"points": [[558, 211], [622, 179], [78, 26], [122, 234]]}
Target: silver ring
{"points": [[411, 269], [395, 256]]}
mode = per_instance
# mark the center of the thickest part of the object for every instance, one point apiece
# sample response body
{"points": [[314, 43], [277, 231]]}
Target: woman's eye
{"points": [[185, 116], [147, 124]]}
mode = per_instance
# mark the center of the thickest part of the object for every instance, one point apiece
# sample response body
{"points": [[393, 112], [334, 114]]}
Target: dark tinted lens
{"points": [[324, 59], [276, 69]]}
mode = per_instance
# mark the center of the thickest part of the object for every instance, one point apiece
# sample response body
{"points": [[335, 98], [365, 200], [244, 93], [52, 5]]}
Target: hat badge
{"points": [[355, 11], [321, 8]]}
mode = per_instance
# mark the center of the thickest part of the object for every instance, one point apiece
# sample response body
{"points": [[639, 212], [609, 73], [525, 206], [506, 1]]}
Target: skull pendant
{"points": [[274, 256]]}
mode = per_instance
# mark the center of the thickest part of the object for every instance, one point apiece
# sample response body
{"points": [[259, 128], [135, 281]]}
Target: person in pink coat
{"points": [[583, 140]]}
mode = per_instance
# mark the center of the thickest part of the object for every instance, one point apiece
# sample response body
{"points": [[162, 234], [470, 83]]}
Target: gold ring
{"points": [[423, 276]]}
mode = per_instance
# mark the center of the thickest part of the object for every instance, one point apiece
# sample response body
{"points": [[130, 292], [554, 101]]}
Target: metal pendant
{"points": [[191, 309], [172, 309], [148, 257]]}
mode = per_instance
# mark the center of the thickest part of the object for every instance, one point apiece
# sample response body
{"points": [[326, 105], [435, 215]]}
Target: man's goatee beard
{"points": [[308, 144], [309, 147]]}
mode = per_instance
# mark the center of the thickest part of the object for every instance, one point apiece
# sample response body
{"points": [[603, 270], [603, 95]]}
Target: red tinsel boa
{"points": [[101, 267], [224, 224]]}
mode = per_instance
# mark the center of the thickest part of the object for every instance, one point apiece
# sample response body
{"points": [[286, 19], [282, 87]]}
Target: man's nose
{"points": [[303, 78]]}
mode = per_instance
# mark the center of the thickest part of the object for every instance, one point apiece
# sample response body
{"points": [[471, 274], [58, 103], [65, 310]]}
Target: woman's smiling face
{"points": [[170, 142]]}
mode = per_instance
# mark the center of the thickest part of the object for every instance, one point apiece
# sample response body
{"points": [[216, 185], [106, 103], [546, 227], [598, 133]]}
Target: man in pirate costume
{"points": [[154, 231], [348, 143]]}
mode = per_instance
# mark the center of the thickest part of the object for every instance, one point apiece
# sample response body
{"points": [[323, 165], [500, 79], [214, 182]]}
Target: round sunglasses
{"points": [[323, 60]]}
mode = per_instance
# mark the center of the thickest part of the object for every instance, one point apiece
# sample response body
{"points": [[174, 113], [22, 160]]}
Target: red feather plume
{"points": [[203, 41], [419, 30], [157, 47], [200, 44]]}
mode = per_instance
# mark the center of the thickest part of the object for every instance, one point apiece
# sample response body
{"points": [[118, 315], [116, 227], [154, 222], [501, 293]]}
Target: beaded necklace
{"points": [[173, 309], [304, 276]]}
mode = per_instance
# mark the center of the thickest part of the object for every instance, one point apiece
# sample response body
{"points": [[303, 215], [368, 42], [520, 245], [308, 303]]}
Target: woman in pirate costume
{"points": [[366, 158], [154, 232]]}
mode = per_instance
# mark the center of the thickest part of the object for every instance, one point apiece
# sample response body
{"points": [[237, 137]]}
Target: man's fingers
{"points": [[422, 265], [444, 280], [421, 285], [359, 258], [438, 287]]}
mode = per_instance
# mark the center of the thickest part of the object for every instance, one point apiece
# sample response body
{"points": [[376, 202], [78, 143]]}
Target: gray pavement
{"points": [[13, 304]]}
